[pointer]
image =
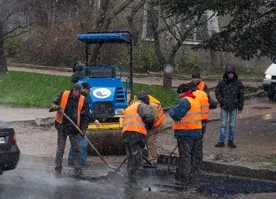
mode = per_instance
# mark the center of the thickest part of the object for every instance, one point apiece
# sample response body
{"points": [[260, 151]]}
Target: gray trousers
{"points": [[199, 157], [188, 151], [61, 143], [134, 155]]}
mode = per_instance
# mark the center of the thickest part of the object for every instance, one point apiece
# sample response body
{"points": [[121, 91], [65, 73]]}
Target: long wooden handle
{"points": [[82, 134]]}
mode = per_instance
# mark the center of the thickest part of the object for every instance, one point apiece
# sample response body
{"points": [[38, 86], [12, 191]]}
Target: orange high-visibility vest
{"points": [[132, 120], [192, 119], [201, 85], [160, 114], [63, 103], [204, 102]]}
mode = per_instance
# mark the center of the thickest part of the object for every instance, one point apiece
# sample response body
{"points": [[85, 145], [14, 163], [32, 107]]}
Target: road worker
{"points": [[201, 85], [204, 102], [138, 120], [75, 106], [159, 119], [188, 132]]}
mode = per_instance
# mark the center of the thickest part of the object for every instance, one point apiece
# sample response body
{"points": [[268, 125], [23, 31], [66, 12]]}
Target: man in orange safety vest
{"points": [[75, 106], [138, 120]]}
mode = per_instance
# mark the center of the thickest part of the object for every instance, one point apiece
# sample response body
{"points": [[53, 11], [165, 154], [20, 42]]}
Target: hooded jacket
{"points": [[229, 92]]}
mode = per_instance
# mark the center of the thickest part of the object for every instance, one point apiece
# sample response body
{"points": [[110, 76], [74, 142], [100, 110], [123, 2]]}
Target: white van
{"points": [[269, 82]]}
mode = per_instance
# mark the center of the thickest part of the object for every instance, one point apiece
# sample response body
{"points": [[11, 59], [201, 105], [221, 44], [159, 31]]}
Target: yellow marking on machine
{"points": [[107, 125]]}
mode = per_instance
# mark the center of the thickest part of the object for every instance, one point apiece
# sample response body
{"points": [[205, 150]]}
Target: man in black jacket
{"points": [[75, 106], [230, 95]]}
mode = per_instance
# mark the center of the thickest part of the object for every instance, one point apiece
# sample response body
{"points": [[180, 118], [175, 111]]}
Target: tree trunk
{"points": [[167, 80], [3, 63]]}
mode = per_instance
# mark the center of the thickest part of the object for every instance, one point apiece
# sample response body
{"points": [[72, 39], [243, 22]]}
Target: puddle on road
{"points": [[210, 185]]}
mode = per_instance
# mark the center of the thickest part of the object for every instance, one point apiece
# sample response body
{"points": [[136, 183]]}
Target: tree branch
{"points": [[130, 20], [5, 35], [120, 8]]}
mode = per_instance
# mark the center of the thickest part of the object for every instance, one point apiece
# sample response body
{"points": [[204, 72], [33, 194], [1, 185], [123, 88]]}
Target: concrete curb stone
{"points": [[235, 170]]}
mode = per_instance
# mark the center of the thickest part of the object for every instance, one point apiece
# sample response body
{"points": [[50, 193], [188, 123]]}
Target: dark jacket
{"points": [[148, 118], [92, 117], [179, 111], [67, 127], [229, 92]]}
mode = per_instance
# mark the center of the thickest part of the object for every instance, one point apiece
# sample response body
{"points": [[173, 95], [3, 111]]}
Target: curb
{"points": [[234, 170]]}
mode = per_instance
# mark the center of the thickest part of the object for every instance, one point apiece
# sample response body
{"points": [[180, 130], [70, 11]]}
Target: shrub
{"points": [[145, 59], [189, 64], [12, 45], [56, 45]]}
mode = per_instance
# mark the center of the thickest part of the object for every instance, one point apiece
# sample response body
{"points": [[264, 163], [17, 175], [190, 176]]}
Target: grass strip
{"points": [[28, 89]]}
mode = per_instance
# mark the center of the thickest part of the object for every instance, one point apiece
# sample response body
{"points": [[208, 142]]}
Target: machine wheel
{"points": [[108, 142]]}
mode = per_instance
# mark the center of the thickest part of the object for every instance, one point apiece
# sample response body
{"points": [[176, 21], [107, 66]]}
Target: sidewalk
{"points": [[8, 114]]}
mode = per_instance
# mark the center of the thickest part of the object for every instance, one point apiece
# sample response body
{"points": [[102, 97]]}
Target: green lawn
{"points": [[38, 90]]}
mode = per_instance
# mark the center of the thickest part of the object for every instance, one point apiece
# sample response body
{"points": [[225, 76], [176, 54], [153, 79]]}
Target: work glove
{"points": [[213, 104], [55, 108]]}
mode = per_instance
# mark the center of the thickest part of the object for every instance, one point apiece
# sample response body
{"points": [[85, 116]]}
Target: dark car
{"points": [[9, 152]]}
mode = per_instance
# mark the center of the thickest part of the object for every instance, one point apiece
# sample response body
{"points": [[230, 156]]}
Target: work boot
{"points": [[182, 183], [220, 144], [177, 174], [231, 144], [78, 173], [85, 164], [58, 174], [70, 164]]}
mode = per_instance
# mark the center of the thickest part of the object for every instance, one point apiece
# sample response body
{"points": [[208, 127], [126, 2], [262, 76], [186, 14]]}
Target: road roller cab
{"points": [[108, 96]]}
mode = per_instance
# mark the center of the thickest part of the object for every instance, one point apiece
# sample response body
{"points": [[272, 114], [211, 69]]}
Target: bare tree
{"points": [[136, 7], [97, 15], [13, 22], [162, 24]]}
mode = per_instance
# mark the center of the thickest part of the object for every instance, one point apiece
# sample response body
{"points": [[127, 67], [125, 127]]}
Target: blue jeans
{"points": [[83, 149], [223, 124]]}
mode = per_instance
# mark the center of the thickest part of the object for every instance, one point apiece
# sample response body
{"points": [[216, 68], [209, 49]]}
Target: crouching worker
{"points": [[159, 118], [75, 106], [188, 132], [138, 120]]}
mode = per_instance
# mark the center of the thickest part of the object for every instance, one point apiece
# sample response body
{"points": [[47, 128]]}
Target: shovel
{"points": [[82, 134], [113, 173]]}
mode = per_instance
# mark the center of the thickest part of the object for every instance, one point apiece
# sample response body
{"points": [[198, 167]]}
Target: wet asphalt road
{"points": [[33, 177], [34, 180], [21, 184]]}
